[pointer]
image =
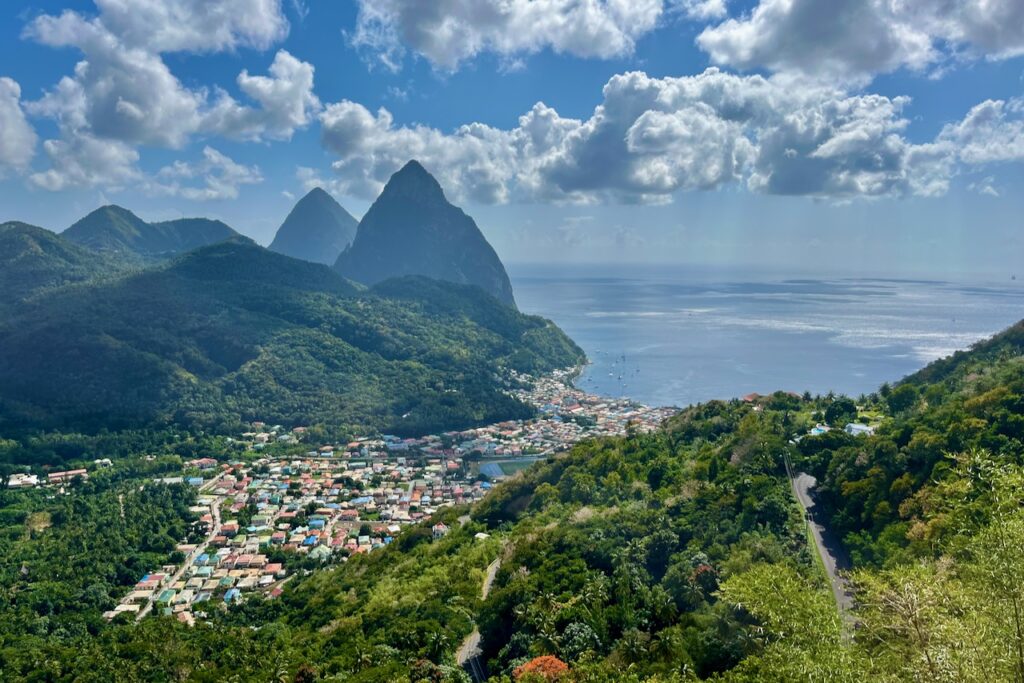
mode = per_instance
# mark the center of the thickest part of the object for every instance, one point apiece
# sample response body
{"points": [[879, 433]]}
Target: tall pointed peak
{"points": [[412, 181], [412, 229]]}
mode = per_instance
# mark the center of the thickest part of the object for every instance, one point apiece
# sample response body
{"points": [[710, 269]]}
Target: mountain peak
{"points": [[114, 208], [413, 230], [317, 229], [113, 228], [414, 182], [317, 193]]}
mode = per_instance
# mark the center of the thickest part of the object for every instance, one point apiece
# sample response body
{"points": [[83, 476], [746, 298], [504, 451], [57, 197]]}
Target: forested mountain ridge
{"points": [[34, 260], [317, 229], [412, 229], [234, 332], [116, 230]]}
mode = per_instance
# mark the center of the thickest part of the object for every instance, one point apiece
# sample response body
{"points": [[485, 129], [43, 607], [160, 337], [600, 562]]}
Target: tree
{"points": [[802, 637], [545, 669], [902, 398], [841, 411]]}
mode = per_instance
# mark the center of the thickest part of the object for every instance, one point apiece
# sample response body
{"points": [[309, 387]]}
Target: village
{"points": [[260, 517]]}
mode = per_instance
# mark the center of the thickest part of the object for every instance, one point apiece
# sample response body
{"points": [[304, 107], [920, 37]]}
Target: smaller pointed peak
{"points": [[317, 193]]}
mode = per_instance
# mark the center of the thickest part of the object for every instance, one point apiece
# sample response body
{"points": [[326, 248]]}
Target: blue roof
{"points": [[232, 594]]}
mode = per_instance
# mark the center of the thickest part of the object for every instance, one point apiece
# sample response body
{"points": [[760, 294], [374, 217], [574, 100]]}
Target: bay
{"points": [[676, 335]]}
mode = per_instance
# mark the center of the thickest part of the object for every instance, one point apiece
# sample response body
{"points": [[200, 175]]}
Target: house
{"points": [[440, 530], [857, 429], [22, 481], [320, 553], [274, 569], [58, 477]]}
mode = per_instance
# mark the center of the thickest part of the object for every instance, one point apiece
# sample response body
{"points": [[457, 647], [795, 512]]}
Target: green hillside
{"points": [[115, 230], [654, 558], [876, 488], [612, 559], [234, 332], [34, 260]]}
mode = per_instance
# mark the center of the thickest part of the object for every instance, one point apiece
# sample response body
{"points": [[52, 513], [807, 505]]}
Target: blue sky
{"points": [[802, 135]]}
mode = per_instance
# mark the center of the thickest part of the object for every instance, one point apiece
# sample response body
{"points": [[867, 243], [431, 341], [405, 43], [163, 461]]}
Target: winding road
{"points": [[832, 555], [468, 654]]}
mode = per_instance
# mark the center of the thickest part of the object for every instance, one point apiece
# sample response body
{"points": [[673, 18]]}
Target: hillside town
{"points": [[259, 516]]}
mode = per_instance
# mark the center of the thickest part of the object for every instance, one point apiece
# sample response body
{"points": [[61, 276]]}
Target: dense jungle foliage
{"points": [[673, 556], [610, 557]]}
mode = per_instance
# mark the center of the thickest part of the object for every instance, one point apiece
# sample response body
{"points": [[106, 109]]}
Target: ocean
{"points": [[677, 335]]}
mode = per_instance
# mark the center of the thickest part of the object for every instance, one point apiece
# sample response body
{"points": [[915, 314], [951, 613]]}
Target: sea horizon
{"points": [[676, 335]]}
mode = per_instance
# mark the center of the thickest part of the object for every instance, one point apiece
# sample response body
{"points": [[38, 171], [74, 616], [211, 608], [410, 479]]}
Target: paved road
{"points": [[828, 547], [199, 550], [469, 651]]}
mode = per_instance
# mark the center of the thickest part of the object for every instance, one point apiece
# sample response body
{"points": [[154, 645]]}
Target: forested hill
{"points": [[34, 260], [234, 332], [880, 490], [954, 370], [618, 559], [115, 230], [652, 558]]}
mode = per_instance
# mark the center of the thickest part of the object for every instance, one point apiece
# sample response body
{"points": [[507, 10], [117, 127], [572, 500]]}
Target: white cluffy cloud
{"points": [[17, 137], [82, 160], [992, 132], [651, 137], [116, 92], [220, 177], [123, 95], [286, 98], [700, 10], [448, 32], [856, 39], [195, 25]]}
